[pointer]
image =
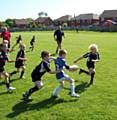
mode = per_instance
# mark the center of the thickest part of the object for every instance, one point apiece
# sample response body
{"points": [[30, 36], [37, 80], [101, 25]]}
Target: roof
{"points": [[21, 21], [109, 14], [42, 19], [87, 16], [64, 18]]}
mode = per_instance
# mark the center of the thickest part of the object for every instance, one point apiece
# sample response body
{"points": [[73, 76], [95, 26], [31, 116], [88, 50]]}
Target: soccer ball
{"points": [[73, 68]]}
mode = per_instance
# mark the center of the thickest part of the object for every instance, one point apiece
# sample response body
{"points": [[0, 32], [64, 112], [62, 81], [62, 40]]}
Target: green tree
{"points": [[10, 22], [42, 14]]}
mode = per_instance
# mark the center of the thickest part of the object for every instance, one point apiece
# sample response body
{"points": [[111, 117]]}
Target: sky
{"points": [[55, 8]]}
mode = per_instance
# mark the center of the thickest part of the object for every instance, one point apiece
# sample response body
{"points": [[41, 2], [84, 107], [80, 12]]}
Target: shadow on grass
{"points": [[45, 104], [12, 80], [79, 88], [82, 87]]}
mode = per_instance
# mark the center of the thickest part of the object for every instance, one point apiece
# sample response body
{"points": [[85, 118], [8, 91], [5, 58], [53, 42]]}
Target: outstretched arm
{"points": [[78, 59]]}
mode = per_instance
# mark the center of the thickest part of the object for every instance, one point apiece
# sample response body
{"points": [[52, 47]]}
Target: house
{"points": [[63, 20], [108, 15], [87, 19], [21, 23], [44, 21]]}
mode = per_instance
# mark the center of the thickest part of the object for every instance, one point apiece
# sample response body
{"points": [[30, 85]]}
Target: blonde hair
{"points": [[93, 46]]}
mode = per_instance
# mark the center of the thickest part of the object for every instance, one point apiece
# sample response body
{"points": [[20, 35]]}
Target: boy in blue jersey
{"points": [[61, 77]]}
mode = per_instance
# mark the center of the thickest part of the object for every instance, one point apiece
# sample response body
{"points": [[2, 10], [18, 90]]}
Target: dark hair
{"points": [[62, 52], [44, 54]]}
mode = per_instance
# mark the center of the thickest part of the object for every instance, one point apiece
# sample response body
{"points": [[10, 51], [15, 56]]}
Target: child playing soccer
{"points": [[32, 43], [3, 60], [61, 77], [20, 59], [18, 41], [38, 73], [93, 57]]}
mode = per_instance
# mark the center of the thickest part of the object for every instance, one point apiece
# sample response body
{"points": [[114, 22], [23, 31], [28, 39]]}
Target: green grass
{"points": [[98, 102]]}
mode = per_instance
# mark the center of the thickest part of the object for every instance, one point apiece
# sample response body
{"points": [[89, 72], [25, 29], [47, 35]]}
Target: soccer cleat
{"points": [[11, 88], [25, 96], [75, 95]]}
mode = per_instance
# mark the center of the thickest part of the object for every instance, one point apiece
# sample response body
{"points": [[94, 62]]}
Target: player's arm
{"points": [[20, 58], [97, 60], [49, 70], [80, 58], [55, 35]]}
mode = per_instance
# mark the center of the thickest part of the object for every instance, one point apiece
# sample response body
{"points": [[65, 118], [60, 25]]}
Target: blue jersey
{"points": [[60, 65]]}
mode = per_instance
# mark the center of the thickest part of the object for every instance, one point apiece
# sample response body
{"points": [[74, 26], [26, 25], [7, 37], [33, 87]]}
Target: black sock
{"points": [[14, 72], [92, 78], [22, 73], [84, 71], [32, 90], [7, 85]]}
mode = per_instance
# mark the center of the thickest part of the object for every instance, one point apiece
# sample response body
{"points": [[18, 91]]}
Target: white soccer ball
{"points": [[73, 68]]}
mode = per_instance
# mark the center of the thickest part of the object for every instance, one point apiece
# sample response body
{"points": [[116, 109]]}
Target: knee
{"points": [[72, 81], [92, 71]]}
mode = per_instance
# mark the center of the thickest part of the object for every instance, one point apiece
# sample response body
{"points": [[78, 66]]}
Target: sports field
{"points": [[97, 102]]}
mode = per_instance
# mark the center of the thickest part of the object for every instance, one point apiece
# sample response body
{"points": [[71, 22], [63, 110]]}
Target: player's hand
{"points": [[75, 61]]}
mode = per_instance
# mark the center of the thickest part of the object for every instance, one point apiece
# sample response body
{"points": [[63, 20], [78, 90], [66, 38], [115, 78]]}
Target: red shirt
{"points": [[6, 36]]}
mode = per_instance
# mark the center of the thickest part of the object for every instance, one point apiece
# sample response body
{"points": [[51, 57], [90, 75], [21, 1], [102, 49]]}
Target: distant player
{"points": [[61, 77], [32, 43], [20, 62], [18, 41], [6, 35], [38, 73], [92, 57], [3, 60], [58, 35]]}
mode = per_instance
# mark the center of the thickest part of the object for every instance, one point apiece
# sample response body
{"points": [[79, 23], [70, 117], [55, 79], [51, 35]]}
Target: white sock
{"points": [[57, 90], [72, 87]]}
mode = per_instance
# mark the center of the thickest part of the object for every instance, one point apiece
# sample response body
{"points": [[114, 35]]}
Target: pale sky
{"points": [[54, 8]]}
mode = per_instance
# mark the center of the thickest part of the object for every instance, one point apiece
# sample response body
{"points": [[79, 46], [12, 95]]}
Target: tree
{"points": [[42, 14], [10, 22]]}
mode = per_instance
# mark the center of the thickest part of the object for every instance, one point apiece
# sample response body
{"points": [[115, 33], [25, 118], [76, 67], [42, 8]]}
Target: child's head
{"points": [[45, 55], [22, 47], [4, 29], [63, 53], [93, 48]]}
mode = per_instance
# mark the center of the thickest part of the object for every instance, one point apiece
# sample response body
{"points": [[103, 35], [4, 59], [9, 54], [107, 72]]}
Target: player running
{"points": [[61, 77], [92, 58], [38, 73]]}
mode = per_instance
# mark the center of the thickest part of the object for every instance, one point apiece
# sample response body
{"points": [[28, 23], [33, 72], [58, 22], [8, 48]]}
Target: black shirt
{"points": [[21, 54], [41, 69], [91, 56], [59, 34], [3, 58], [19, 39]]}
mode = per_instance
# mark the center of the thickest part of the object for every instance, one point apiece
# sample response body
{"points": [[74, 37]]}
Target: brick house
{"points": [[63, 20], [21, 23], [44, 21], [87, 19], [108, 15]]}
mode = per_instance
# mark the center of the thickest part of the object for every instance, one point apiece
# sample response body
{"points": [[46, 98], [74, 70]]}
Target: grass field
{"points": [[98, 102]]}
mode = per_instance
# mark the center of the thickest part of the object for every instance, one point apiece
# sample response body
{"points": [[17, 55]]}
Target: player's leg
{"points": [[22, 72], [6, 75], [72, 86], [83, 71], [38, 85], [14, 72], [92, 74], [56, 91]]}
